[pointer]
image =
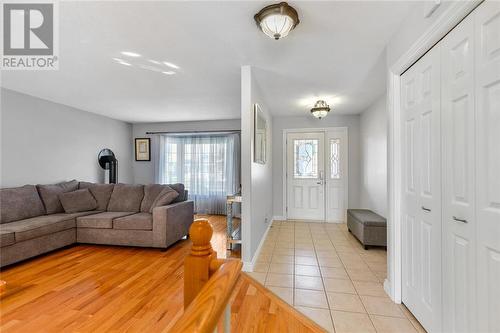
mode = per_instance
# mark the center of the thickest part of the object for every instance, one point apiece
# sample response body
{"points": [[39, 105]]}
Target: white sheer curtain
{"points": [[208, 165]]}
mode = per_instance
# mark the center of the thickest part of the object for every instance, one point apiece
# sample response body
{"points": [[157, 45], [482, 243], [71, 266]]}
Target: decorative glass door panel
{"points": [[305, 170], [305, 158]]}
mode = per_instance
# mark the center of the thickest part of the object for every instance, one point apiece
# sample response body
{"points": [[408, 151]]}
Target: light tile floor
{"points": [[324, 272]]}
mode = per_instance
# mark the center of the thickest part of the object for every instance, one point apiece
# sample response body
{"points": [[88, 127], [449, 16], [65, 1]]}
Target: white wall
{"points": [[307, 121], [257, 189], [413, 26], [144, 171], [373, 132], [44, 142]]}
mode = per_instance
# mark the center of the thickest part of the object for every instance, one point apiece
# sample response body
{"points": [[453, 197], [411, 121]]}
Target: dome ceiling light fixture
{"points": [[320, 109], [277, 20]]}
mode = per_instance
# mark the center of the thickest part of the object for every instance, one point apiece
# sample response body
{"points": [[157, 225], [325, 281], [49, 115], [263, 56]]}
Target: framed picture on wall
{"points": [[142, 149]]}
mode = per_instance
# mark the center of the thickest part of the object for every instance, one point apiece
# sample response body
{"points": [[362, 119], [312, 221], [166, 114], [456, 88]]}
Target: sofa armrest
{"points": [[172, 222]]}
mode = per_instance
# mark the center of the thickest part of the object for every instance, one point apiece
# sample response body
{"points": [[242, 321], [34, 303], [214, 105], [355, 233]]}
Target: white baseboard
{"points": [[248, 266], [279, 218], [387, 289]]}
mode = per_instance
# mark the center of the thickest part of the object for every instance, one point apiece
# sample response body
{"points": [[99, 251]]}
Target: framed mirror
{"points": [[260, 135]]}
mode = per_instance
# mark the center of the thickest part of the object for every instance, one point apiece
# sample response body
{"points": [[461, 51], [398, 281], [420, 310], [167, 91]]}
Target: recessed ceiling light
{"points": [[171, 65], [122, 62], [151, 68], [130, 54], [169, 73]]}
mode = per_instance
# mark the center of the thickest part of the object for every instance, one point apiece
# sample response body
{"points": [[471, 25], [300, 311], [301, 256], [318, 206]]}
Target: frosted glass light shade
{"points": [[320, 109], [319, 113], [277, 26], [277, 20]]}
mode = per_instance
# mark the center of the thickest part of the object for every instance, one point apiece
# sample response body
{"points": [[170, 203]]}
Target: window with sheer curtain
{"points": [[208, 166]]}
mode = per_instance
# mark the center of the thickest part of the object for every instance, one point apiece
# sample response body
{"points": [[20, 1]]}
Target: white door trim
{"points": [[284, 166], [446, 22]]}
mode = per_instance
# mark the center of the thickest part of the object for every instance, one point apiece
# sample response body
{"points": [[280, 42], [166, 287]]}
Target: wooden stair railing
{"points": [[208, 284]]}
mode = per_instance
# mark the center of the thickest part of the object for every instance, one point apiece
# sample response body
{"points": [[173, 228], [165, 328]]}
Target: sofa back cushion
{"points": [[179, 188], [151, 192], [20, 203], [126, 198], [50, 195], [78, 201], [166, 197], [101, 192]]}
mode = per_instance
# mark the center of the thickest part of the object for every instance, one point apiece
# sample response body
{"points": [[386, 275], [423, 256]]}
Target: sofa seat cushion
{"points": [[139, 221], [102, 220], [20, 203], [126, 198], [367, 217], [6, 238], [40, 225]]}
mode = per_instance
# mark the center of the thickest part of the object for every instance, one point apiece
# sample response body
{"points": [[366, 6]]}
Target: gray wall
{"points": [[307, 121], [257, 190], [144, 171], [45, 142], [373, 131]]}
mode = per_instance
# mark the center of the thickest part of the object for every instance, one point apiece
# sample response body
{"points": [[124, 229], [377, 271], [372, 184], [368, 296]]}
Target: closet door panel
{"points": [[487, 89], [458, 160], [422, 190]]}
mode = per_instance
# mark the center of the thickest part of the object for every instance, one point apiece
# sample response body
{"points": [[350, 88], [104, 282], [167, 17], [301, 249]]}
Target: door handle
{"points": [[320, 182], [426, 209], [459, 220]]}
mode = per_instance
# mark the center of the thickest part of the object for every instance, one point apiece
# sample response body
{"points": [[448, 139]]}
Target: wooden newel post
{"points": [[197, 264]]}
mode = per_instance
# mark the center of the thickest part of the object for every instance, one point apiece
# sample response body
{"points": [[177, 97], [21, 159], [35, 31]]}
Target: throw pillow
{"points": [[166, 196], [151, 192], [179, 188], [78, 201], [50, 195], [101, 192]]}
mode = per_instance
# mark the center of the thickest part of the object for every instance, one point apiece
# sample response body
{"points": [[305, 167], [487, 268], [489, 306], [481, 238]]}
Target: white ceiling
{"points": [[336, 52]]}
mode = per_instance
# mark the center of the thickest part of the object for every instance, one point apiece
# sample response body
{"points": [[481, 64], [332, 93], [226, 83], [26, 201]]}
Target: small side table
{"points": [[232, 233]]}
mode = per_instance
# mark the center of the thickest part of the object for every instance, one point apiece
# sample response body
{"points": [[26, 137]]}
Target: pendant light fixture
{"points": [[277, 20], [320, 109]]}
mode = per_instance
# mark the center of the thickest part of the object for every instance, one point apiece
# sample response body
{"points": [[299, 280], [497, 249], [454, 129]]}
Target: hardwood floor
{"points": [[92, 288]]}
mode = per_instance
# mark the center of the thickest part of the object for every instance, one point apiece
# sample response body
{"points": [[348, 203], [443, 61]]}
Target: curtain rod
{"points": [[194, 132]]}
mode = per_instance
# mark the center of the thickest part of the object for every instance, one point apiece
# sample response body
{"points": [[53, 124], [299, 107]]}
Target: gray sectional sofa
{"points": [[42, 218]]}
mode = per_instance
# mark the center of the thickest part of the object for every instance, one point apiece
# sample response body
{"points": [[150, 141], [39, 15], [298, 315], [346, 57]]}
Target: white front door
{"points": [[421, 205], [305, 174], [316, 176]]}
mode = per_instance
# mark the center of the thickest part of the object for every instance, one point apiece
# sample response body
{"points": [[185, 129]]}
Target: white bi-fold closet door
{"points": [[458, 216], [422, 189], [451, 179]]}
